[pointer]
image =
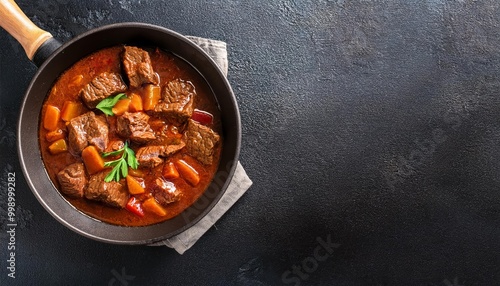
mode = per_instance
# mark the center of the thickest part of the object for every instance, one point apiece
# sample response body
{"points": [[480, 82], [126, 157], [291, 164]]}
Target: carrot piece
{"points": [[58, 147], [151, 97], [135, 103], [153, 206], [187, 172], [92, 160], [169, 171], [77, 80], [51, 118], [121, 106], [54, 135], [71, 110], [136, 172], [134, 186]]}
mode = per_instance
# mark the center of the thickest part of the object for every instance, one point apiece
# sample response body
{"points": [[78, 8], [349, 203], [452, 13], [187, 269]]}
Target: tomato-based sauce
{"points": [[168, 67]]}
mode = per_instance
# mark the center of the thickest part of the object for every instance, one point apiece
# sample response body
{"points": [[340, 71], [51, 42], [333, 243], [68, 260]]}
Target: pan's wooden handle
{"points": [[21, 28]]}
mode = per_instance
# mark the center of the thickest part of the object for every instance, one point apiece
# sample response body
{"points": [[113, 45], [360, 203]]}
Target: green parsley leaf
{"points": [[131, 159], [112, 153], [112, 163], [121, 165], [124, 169], [106, 105]]}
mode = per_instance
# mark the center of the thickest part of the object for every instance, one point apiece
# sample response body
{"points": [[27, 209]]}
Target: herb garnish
{"points": [[106, 105], [120, 166]]}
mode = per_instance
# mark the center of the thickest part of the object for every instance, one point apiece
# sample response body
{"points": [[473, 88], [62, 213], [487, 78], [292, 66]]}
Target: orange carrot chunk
{"points": [[135, 103], [71, 110], [76, 81], [92, 160], [151, 97], [51, 118], [134, 186], [151, 205], [187, 172], [54, 135], [136, 172], [57, 147], [121, 106], [169, 171]]}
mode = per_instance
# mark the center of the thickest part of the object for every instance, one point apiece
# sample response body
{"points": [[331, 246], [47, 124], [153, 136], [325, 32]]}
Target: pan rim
{"points": [[48, 204]]}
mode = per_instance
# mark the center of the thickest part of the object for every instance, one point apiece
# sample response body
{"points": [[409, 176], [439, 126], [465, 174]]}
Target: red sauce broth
{"points": [[168, 67]]}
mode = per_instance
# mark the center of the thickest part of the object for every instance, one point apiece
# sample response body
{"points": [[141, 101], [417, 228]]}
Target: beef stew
{"points": [[124, 136]]}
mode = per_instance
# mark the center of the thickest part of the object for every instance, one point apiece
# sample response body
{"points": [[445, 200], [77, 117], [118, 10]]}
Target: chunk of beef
{"points": [[137, 66], [152, 156], [200, 141], [88, 129], [149, 156], [113, 193], [177, 100], [165, 192], [104, 85], [135, 126], [72, 180], [115, 145], [167, 135]]}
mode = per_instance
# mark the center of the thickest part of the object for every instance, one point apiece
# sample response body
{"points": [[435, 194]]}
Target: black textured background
{"points": [[372, 124]]}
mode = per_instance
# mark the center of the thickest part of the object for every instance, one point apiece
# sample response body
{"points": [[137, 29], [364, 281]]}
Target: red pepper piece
{"points": [[202, 117], [134, 206]]}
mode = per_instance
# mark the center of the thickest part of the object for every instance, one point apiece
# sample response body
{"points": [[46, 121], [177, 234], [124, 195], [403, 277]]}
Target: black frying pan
{"points": [[52, 58]]}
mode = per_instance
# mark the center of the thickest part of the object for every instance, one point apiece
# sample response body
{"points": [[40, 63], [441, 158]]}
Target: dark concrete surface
{"points": [[370, 130]]}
